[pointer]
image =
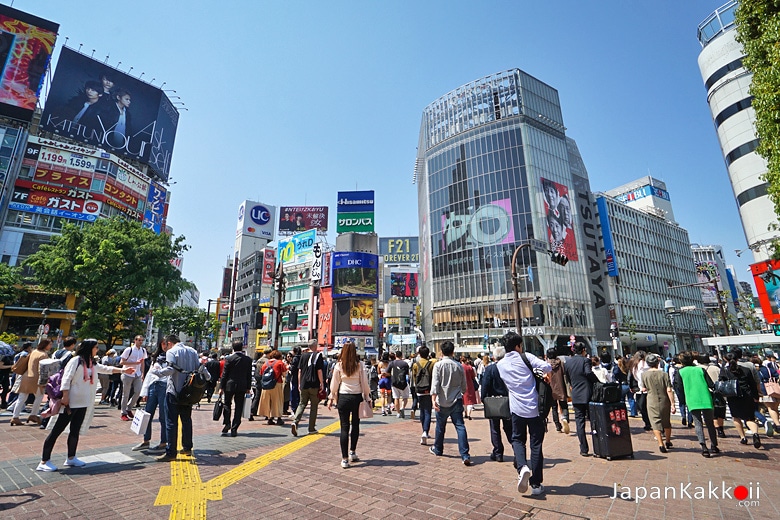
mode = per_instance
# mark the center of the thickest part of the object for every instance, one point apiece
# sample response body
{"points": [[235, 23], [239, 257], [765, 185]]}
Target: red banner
{"points": [[53, 201], [118, 193], [325, 320], [68, 179]]}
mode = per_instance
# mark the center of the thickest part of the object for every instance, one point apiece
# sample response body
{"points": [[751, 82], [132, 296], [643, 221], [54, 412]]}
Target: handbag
{"points": [[20, 367], [772, 388], [727, 388], [322, 394], [497, 407], [218, 407], [365, 411]]}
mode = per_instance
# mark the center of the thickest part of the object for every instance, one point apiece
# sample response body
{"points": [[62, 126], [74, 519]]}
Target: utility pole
{"points": [[280, 285]]}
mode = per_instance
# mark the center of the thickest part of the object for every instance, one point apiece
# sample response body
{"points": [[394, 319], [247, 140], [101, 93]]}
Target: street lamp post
{"points": [[671, 314]]}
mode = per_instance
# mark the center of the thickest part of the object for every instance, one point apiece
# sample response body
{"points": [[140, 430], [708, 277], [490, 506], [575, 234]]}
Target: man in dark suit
{"points": [[236, 381], [578, 370]]}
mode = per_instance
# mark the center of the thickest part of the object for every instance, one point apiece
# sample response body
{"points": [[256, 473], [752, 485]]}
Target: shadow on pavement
{"points": [[385, 463], [30, 497], [101, 468], [580, 489]]}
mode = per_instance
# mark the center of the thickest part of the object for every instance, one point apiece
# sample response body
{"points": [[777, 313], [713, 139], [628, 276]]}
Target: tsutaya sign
{"points": [[533, 331]]}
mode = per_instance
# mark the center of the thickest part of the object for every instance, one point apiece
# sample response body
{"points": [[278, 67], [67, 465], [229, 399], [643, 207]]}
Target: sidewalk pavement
{"points": [[267, 473]]}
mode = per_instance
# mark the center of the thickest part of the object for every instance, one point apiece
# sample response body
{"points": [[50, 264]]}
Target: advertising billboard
{"points": [[355, 212], [294, 219], [559, 219], [97, 104], [400, 250], [606, 233], [766, 276], [354, 316], [355, 274], [256, 219], [325, 318], [269, 266], [708, 272], [487, 225], [403, 285], [298, 248], [26, 44]]}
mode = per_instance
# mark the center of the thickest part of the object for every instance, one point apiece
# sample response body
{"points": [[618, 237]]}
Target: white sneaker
{"points": [[522, 479], [353, 457], [565, 424], [46, 466], [537, 490], [345, 464], [74, 463], [423, 440]]}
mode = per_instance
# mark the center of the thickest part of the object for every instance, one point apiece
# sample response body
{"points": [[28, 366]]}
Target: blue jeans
{"points": [[156, 399], [625, 391], [535, 430], [426, 406], [174, 412], [454, 412]]}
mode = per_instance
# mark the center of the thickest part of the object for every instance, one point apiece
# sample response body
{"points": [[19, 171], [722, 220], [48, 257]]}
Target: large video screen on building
{"points": [[355, 274], [26, 44], [97, 104], [558, 219], [294, 219], [354, 316], [766, 276]]}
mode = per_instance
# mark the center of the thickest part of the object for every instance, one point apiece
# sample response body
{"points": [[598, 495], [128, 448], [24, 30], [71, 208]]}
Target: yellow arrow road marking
{"points": [[188, 495]]}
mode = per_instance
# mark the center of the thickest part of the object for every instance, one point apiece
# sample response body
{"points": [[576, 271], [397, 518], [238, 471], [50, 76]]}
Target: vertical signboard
{"points": [[766, 276], [606, 233], [269, 265], [355, 212], [559, 218]]}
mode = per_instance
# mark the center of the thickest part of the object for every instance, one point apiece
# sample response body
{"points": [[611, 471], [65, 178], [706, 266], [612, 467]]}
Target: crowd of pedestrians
{"points": [[277, 386]]}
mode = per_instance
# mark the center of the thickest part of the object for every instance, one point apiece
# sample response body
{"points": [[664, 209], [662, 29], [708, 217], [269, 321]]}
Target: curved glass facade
{"points": [[493, 171]]}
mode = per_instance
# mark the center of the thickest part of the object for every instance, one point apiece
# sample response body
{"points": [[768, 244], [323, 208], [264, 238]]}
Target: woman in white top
{"points": [[638, 366], [79, 385], [348, 388]]}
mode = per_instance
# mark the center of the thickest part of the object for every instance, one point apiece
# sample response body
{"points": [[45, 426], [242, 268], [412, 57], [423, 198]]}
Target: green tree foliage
{"points": [[10, 283], [174, 320], [758, 30], [117, 268]]}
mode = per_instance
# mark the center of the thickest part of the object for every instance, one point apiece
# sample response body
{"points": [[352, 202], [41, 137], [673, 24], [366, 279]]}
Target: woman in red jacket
{"points": [[470, 396]]}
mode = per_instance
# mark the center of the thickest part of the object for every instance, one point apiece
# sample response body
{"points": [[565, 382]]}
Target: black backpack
{"points": [[398, 376], [194, 387], [544, 390], [422, 382], [268, 379]]}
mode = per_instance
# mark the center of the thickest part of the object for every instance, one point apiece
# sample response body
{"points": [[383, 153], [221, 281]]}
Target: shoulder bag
{"points": [[20, 367], [727, 388], [218, 407], [772, 388]]}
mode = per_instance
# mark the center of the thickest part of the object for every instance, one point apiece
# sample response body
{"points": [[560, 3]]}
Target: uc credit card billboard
{"points": [[96, 104], [256, 219], [26, 44]]}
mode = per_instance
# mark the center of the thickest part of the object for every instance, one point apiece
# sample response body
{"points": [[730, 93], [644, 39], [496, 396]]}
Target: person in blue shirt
{"points": [[527, 426]]}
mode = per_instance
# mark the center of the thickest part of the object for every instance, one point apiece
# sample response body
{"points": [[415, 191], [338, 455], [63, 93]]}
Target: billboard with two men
{"points": [[101, 106]]}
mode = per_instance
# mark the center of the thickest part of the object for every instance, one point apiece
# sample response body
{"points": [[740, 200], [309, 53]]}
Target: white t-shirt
{"points": [[134, 354]]}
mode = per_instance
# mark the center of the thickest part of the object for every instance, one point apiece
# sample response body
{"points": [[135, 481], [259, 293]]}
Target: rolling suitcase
{"points": [[611, 433]]}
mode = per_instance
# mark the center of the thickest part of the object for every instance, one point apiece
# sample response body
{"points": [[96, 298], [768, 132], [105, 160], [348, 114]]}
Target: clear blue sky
{"points": [[289, 102]]}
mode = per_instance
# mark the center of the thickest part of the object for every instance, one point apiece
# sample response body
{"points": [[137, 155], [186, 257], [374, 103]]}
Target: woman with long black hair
{"points": [[348, 388], [79, 385]]}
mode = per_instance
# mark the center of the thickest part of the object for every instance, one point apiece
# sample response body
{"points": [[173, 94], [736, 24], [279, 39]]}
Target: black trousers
{"points": [[230, 398], [496, 424], [75, 418], [580, 414], [641, 403], [348, 406]]}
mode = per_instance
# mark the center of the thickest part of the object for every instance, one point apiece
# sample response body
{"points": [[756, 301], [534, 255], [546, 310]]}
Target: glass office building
{"points": [[494, 169]]}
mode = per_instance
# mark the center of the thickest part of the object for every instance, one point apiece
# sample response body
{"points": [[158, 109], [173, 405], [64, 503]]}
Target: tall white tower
{"points": [[728, 83]]}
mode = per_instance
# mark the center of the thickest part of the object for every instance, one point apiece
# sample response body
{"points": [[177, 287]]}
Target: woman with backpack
{"points": [[78, 386], [422, 375], [742, 405], [272, 383]]}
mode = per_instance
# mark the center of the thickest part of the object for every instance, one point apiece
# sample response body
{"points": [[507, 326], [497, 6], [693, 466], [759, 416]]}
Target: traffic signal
{"points": [[614, 332], [292, 320], [538, 311], [559, 258]]}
